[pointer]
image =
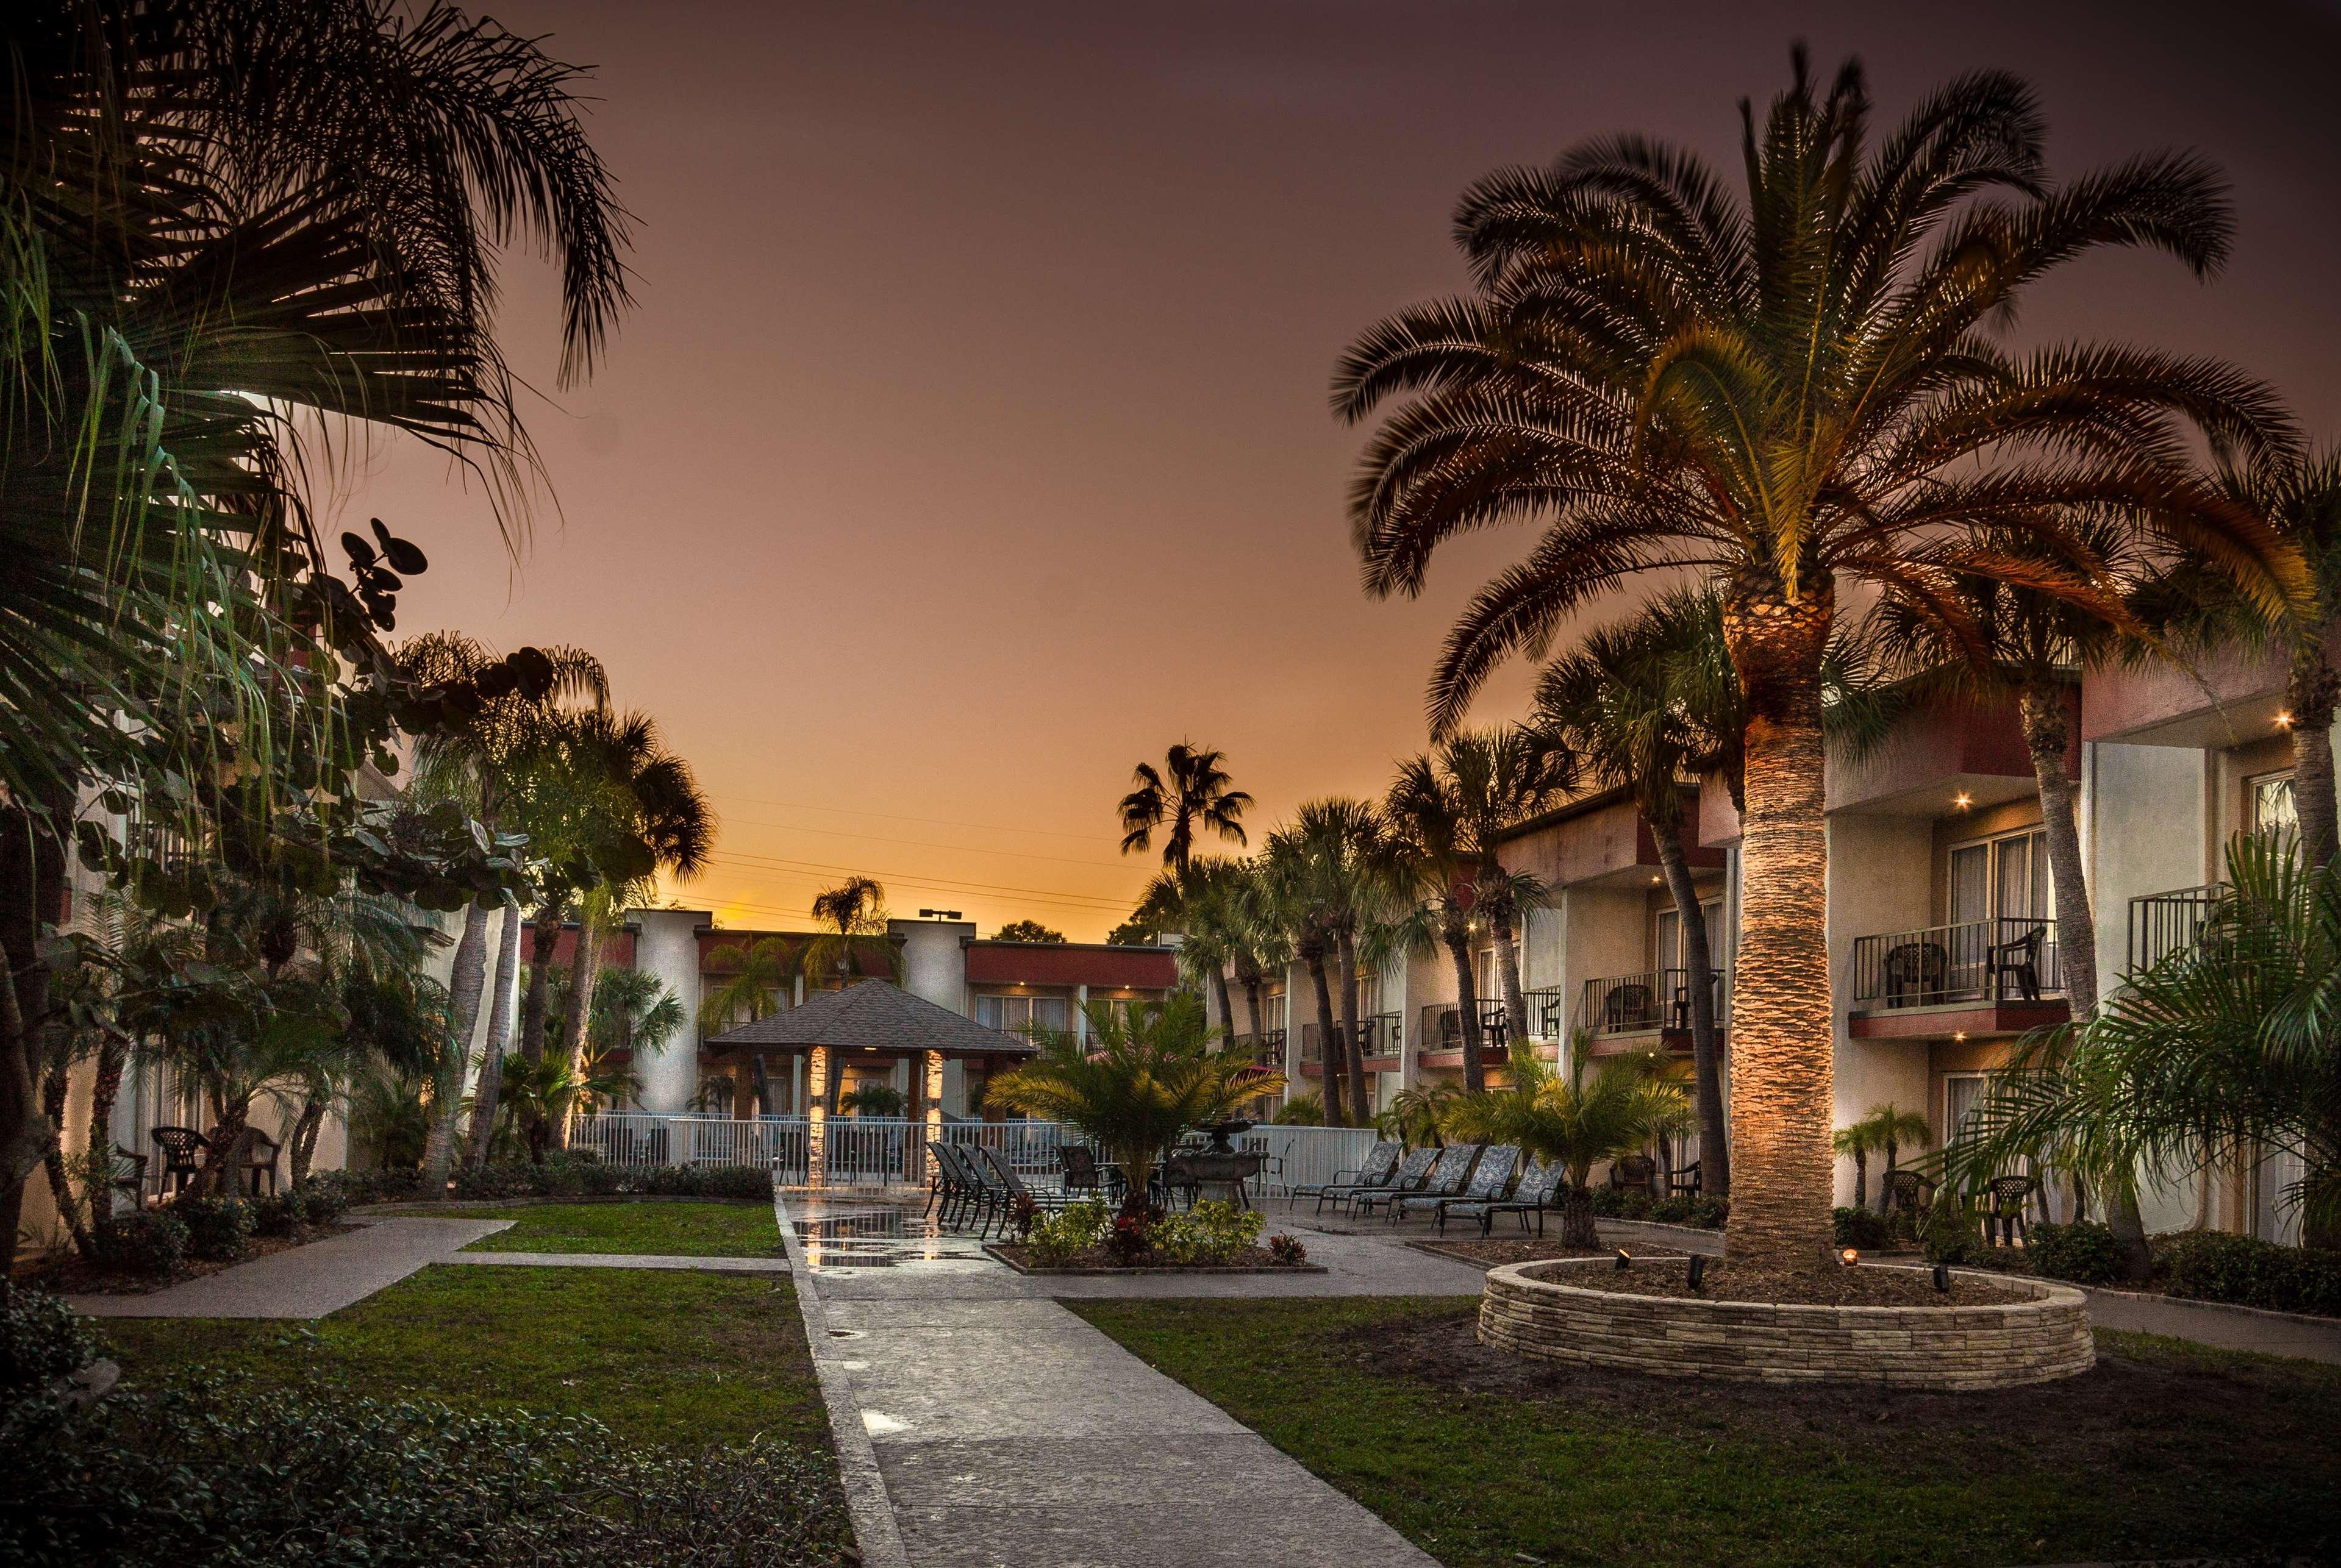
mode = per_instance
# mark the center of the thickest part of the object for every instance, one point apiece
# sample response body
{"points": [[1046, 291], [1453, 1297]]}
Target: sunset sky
{"points": [[970, 441]]}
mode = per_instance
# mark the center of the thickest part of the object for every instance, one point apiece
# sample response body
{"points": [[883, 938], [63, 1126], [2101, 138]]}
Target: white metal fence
{"points": [[889, 1151]]}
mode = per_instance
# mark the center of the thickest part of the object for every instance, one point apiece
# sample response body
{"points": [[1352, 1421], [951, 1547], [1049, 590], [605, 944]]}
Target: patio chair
{"points": [[2005, 1201], [944, 1182], [183, 1151], [1016, 1192], [1626, 1009], [1539, 1189], [1686, 1182], [1909, 1192], [1077, 1167], [129, 1177], [1407, 1177], [1634, 1173], [1380, 1162], [966, 1192], [1489, 1179], [1925, 966], [1448, 1173], [260, 1154], [2020, 960]]}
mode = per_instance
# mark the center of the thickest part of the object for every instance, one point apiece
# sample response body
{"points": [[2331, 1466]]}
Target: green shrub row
{"points": [[217, 1475], [2084, 1252], [2214, 1266], [588, 1178], [1209, 1233], [41, 1340], [1706, 1213]]}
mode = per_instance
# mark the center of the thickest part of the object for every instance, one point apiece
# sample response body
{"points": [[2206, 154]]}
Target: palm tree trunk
{"points": [[1706, 1049], [587, 968], [2047, 734], [304, 1137], [1502, 916], [1227, 1011], [1337, 1114], [32, 895], [1466, 1003], [1576, 1228], [1783, 1071], [1252, 1003], [500, 1018], [1860, 1176], [2311, 694], [53, 1087], [464, 980], [544, 937], [1353, 1056]]}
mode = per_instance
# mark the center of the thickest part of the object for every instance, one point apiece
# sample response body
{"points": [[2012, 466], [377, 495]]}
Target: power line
{"points": [[786, 865], [928, 844], [895, 816]]}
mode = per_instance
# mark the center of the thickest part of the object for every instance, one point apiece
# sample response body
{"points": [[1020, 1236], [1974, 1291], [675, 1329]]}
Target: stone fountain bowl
{"points": [[1533, 1310]]}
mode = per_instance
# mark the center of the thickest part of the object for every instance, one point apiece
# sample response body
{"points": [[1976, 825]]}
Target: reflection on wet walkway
{"points": [[846, 1231]]}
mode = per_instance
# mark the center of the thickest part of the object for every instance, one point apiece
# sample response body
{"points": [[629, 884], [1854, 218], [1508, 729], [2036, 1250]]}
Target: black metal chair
{"points": [[2005, 1201], [1686, 1182], [129, 1175], [1909, 1192], [2019, 959], [1635, 1173], [964, 1190], [1626, 1007], [1916, 971], [184, 1152], [1077, 1167], [1016, 1194]]}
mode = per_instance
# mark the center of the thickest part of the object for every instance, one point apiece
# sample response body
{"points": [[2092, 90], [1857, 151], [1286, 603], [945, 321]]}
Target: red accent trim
{"points": [[1050, 964], [1985, 1018], [617, 947]]}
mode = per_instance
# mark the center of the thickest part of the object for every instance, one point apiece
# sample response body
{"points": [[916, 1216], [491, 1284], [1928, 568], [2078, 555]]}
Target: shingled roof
{"points": [[873, 1016]]}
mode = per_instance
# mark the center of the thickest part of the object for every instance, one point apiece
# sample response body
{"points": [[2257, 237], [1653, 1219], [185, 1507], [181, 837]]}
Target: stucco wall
{"points": [[1878, 881]]}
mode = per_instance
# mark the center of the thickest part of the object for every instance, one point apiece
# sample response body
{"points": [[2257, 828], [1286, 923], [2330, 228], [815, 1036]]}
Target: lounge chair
{"points": [[1017, 1192], [957, 1189], [1407, 1177], [1380, 1161], [1539, 1189], [1449, 1171], [1489, 1177]]}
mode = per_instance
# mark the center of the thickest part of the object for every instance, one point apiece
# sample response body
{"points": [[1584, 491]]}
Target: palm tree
{"points": [[1615, 704], [1141, 1079], [1297, 892], [1433, 857], [1194, 798], [259, 224], [1501, 778], [1203, 898], [1575, 1117], [756, 976], [1783, 391], [852, 938], [2223, 1051], [1855, 1143], [1345, 857], [1889, 1129]]}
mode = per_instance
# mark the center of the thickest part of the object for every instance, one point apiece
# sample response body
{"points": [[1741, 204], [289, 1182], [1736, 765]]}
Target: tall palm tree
{"points": [[1500, 778], [1349, 857], [1203, 899], [1434, 863], [852, 938], [230, 234], [1782, 390], [1297, 894], [755, 975], [1193, 798], [1614, 703]]}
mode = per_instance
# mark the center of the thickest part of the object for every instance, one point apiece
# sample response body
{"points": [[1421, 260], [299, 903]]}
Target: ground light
{"points": [[1698, 1271], [1625, 1258], [1848, 1255], [1943, 1276]]}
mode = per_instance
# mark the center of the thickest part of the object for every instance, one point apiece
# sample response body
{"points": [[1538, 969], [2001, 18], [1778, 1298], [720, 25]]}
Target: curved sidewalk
{"points": [[306, 1282]]}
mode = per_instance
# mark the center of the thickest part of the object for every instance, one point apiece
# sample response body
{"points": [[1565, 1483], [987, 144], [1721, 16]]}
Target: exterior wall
{"points": [[2146, 826], [1603, 933], [1876, 882], [932, 964]]}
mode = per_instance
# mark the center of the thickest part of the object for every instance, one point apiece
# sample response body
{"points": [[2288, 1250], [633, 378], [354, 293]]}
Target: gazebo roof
{"points": [[876, 1015]]}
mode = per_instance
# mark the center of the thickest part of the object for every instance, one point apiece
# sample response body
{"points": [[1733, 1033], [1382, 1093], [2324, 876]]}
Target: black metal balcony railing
{"points": [[1267, 1049], [1644, 1003], [2161, 923], [1380, 1032], [1548, 1012], [1442, 1027], [1996, 961]]}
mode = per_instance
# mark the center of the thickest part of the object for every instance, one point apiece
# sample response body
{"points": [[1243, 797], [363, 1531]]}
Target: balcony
{"points": [[1378, 1031], [1440, 1041], [1548, 1013], [1652, 1007], [2161, 923], [1996, 976], [1267, 1049]]}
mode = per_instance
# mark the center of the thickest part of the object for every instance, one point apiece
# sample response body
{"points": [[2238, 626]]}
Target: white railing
{"points": [[891, 1151]]}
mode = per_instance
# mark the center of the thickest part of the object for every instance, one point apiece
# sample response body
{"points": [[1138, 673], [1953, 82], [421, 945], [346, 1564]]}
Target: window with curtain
{"points": [[1962, 1092], [2273, 811], [2006, 877]]}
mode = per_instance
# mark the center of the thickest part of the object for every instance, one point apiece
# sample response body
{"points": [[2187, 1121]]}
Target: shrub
{"points": [[216, 1473], [1287, 1250], [149, 1242], [1634, 1206], [693, 1181], [219, 1229], [350, 1188], [1608, 1203], [565, 1176], [1071, 1231], [2083, 1251], [279, 1214], [1131, 1234], [41, 1340], [1859, 1227], [323, 1202], [1209, 1233], [2214, 1266], [1706, 1213], [1710, 1213], [1948, 1233], [1302, 1111]]}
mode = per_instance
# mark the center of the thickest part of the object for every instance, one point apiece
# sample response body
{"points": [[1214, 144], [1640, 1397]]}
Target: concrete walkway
{"points": [[306, 1282], [995, 1429], [622, 1260]]}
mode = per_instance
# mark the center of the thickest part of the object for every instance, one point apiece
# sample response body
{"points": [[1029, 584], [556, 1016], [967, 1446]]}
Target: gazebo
{"points": [[873, 1024]]}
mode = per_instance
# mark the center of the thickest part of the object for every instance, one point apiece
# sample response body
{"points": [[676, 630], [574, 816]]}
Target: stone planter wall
{"points": [[1531, 1310]]}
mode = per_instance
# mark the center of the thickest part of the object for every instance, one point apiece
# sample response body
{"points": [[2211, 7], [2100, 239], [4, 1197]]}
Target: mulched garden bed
{"points": [[76, 1276], [1499, 1250], [1826, 1287], [1097, 1260]]}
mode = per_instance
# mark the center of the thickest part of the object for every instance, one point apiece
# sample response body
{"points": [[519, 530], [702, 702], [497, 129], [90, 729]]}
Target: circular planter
{"points": [[1531, 1310]]}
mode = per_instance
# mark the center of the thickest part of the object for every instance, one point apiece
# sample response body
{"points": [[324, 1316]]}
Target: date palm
{"points": [[1574, 1116], [755, 975], [1203, 901], [1780, 390], [1190, 793]]}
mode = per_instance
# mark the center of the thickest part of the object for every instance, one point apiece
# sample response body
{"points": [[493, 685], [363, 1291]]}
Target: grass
{"points": [[666, 1357], [2165, 1449], [681, 1229]]}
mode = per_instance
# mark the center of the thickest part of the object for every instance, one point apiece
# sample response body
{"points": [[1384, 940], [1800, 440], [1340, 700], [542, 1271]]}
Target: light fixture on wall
{"points": [[1958, 1034], [1962, 800], [2283, 721]]}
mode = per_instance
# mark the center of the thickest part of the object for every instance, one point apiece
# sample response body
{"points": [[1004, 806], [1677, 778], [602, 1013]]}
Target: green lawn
{"points": [[683, 1229], [661, 1357], [2165, 1449]]}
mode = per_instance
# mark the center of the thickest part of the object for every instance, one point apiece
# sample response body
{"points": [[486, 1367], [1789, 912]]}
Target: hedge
{"points": [[2215, 1266], [585, 1179]]}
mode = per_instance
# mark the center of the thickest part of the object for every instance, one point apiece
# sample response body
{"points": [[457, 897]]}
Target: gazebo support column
{"points": [[934, 1103], [817, 1115]]}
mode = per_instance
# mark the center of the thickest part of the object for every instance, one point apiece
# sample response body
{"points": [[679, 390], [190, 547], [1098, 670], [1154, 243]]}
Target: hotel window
{"points": [[1962, 1092], [1669, 934], [2006, 877], [2269, 800], [1020, 1014]]}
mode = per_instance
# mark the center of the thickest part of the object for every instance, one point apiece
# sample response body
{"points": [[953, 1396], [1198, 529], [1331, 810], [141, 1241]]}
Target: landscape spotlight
{"points": [[1698, 1271], [1943, 1276], [1625, 1258], [1848, 1255]]}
